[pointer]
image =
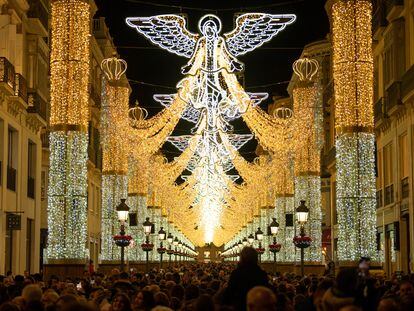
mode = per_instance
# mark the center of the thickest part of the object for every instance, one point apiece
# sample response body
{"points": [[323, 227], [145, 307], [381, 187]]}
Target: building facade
{"points": [[24, 97], [24, 135]]}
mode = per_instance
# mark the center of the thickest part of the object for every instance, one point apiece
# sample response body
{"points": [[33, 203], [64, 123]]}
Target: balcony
{"points": [[38, 105], [405, 188], [38, 10], [31, 187], [11, 178], [7, 74], [20, 87]]}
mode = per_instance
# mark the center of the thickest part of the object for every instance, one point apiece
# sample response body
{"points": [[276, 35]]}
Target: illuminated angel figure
{"points": [[210, 54]]}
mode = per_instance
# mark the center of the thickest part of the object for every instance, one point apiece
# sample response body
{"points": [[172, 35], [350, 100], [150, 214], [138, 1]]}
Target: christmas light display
{"points": [[307, 104], [353, 87], [69, 115], [212, 97], [114, 140]]}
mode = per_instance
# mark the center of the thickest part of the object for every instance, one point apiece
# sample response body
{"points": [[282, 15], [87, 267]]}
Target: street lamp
{"points": [[161, 250], [169, 251], [180, 249], [302, 242], [274, 247], [274, 227], [250, 239], [175, 243], [122, 240], [259, 237], [147, 247]]}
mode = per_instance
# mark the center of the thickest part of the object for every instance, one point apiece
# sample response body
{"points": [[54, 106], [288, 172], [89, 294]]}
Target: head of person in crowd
{"points": [[261, 298], [248, 257], [121, 302], [406, 288]]}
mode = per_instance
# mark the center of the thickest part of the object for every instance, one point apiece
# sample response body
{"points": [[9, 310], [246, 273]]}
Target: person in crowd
{"points": [[247, 275], [261, 298]]}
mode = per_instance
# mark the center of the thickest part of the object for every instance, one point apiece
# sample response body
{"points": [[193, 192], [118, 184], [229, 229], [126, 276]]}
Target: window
{"points": [[31, 169], [403, 161], [379, 178], [388, 174], [11, 159]]}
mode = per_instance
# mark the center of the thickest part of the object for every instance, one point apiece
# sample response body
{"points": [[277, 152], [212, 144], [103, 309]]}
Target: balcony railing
{"points": [[7, 74], [38, 105], [38, 10], [30, 187], [20, 88], [405, 188], [389, 194], [11, 178]]}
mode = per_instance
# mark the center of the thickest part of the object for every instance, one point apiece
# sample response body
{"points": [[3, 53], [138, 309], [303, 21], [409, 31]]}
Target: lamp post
{"points": [[302, 241], [169, 250], [180, 248], [147, 246], [122, 240], [259, 237], [250, 239], [274, 247], [175, 243], [161, 250]]}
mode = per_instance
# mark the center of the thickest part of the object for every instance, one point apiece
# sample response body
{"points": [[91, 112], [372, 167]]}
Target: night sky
{"points": [[266, 69]]}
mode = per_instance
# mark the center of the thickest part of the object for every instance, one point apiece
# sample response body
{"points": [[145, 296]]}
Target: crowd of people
{"points": [[213, 286]]}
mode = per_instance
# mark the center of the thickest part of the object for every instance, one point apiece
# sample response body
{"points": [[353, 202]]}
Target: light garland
{"points": [[353, 83], [67, 192]]}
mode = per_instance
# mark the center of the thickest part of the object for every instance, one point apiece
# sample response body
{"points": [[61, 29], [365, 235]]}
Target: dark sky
{"points": [[269, 64]]}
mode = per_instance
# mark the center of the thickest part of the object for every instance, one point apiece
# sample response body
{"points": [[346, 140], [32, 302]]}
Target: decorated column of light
{"points": [[114, 140], [306, 104], [138, 167], [69, 115], [283, 178], [353, 87]]}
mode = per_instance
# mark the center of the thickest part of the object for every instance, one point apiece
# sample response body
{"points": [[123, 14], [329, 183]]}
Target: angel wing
{"points": [[167, 31], [254, 29]]}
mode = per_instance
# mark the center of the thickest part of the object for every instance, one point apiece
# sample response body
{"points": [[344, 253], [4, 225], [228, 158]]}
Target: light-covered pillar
{"points": [[354, 121], [69, 115], [308, 143], [114, 141]]}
